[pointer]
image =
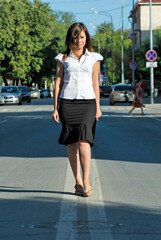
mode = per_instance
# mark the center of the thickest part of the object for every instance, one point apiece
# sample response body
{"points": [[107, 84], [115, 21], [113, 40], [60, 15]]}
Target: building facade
{"points": [[141, 15]]}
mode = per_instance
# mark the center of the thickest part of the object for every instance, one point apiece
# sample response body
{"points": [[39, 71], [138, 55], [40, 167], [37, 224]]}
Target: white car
{"points": [[121, 93], [1, 99], [11, 94], [35, 93]]}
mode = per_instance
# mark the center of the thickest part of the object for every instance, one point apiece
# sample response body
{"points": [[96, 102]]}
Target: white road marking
{"points": [[104, 108], [3, 121], [5, 110], [68, 211], [157, 119], [38, 109], [105, 115], [98, 224]]}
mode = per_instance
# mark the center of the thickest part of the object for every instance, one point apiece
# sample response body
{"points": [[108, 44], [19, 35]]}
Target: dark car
{"points": [[26, 96], [105, 90], [45, 93], [121, 93], [146, 88]]}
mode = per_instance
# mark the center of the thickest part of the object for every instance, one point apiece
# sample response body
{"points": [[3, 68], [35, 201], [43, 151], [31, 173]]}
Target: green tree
{"points": [[25, 29], [103, 31], [31, 35], [60, 23]]}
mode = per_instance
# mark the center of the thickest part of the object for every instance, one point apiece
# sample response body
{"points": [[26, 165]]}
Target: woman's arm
{"points": [[137, 93], [58, 86], [95, 78]]}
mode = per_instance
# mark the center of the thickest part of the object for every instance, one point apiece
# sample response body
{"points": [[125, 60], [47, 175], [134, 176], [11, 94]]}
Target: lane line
{"points": [[157, 119], [3, 121], [68, 211], [5, 110], [105, 115], [98, 223]]}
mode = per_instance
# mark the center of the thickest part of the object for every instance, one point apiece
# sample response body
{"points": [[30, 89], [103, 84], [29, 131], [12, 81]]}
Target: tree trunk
{"points": [[5, 80]]}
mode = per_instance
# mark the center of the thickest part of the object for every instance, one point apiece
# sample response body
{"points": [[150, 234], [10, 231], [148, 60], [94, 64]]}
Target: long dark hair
{"points": [[75, 30]]}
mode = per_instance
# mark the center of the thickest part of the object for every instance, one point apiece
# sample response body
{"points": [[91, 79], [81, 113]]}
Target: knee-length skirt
{"points": [[78, 118]]}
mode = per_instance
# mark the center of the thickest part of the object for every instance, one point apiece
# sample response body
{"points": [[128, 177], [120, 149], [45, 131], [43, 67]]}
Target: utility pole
{"points": [[122, 62], [104, 13], [133, 46], [151, 48], [105, 60]]}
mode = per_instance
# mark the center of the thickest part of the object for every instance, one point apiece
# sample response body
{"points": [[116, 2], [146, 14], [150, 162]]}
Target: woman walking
{"points": [[138, 102], [77, 87]]}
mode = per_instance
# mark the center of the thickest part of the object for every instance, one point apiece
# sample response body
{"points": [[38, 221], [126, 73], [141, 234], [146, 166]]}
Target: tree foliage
{"points": [[104, 34], [142, 71], [31, 35]]}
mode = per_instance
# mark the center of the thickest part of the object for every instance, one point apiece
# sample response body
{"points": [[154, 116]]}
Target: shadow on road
{"points": [[38, 217], [136, 139], [30, 135], [35, 135]]}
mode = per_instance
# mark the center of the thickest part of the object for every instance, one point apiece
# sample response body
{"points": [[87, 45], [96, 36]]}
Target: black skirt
{"points": [[78, 118]]}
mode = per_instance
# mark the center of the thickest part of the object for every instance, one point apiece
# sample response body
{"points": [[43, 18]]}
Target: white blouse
{"points": [[78, 75]]}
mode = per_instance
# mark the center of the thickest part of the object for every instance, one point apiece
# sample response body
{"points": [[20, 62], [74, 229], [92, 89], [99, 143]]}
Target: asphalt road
{"points": [[37, 186]]}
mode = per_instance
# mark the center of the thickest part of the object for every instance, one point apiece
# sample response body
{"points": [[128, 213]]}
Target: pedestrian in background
{"points": [[138, 101], [77, 102]]}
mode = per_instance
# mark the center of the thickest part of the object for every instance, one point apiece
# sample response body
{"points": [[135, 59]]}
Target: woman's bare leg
{"points": [[130, 112], [73, 155], [85, 158], [142, 111]]}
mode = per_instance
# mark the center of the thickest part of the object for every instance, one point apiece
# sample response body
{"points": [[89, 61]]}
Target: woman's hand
{"points": [[98, 114], [55, 116]]}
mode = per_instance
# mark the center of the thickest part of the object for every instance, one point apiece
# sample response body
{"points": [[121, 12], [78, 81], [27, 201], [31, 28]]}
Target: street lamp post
{"points": [[98, 41], [133, 46], [105, 59], [122, 61], [109, 15], [151, 48]]}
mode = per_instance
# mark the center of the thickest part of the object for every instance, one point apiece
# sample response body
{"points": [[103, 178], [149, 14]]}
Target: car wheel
{"points": [[146, 94], [29, 100], [112, 103], [20, 102]]}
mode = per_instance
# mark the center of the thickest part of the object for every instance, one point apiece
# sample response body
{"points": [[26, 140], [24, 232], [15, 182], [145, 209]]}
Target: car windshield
{"points": [[123, 88], [9, 90], [23, 89], [105, 87], [33, 89]]}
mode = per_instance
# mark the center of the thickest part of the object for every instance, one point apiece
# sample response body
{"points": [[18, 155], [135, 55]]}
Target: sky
{"points": [[82, 12]]}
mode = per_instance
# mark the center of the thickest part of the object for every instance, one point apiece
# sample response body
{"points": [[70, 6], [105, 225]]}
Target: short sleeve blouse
{"points": [[77, 82]]}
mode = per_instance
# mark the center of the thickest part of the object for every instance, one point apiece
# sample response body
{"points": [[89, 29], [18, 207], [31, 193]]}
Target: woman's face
{"points": [[80, 41]]}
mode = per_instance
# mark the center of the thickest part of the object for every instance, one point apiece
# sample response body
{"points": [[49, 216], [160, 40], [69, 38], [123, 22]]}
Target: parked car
{"points": [[146, 87], [26, 95], [1, 99], [35, 93], [49, 93], [121, 93], [11, 94], [105, 90], [45, 93]]}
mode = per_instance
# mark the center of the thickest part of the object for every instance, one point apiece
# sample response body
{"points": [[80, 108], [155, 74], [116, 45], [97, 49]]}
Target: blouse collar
{"points": [[87, 53]]}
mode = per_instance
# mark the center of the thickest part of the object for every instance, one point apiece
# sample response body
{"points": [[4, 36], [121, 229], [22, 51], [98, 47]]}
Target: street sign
{"points": [[133, 65], [151, 64], [101, 77], [151, 55]]}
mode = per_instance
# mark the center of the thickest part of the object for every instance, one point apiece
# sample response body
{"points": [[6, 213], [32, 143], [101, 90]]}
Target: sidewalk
{"points": [[156, 105]]}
